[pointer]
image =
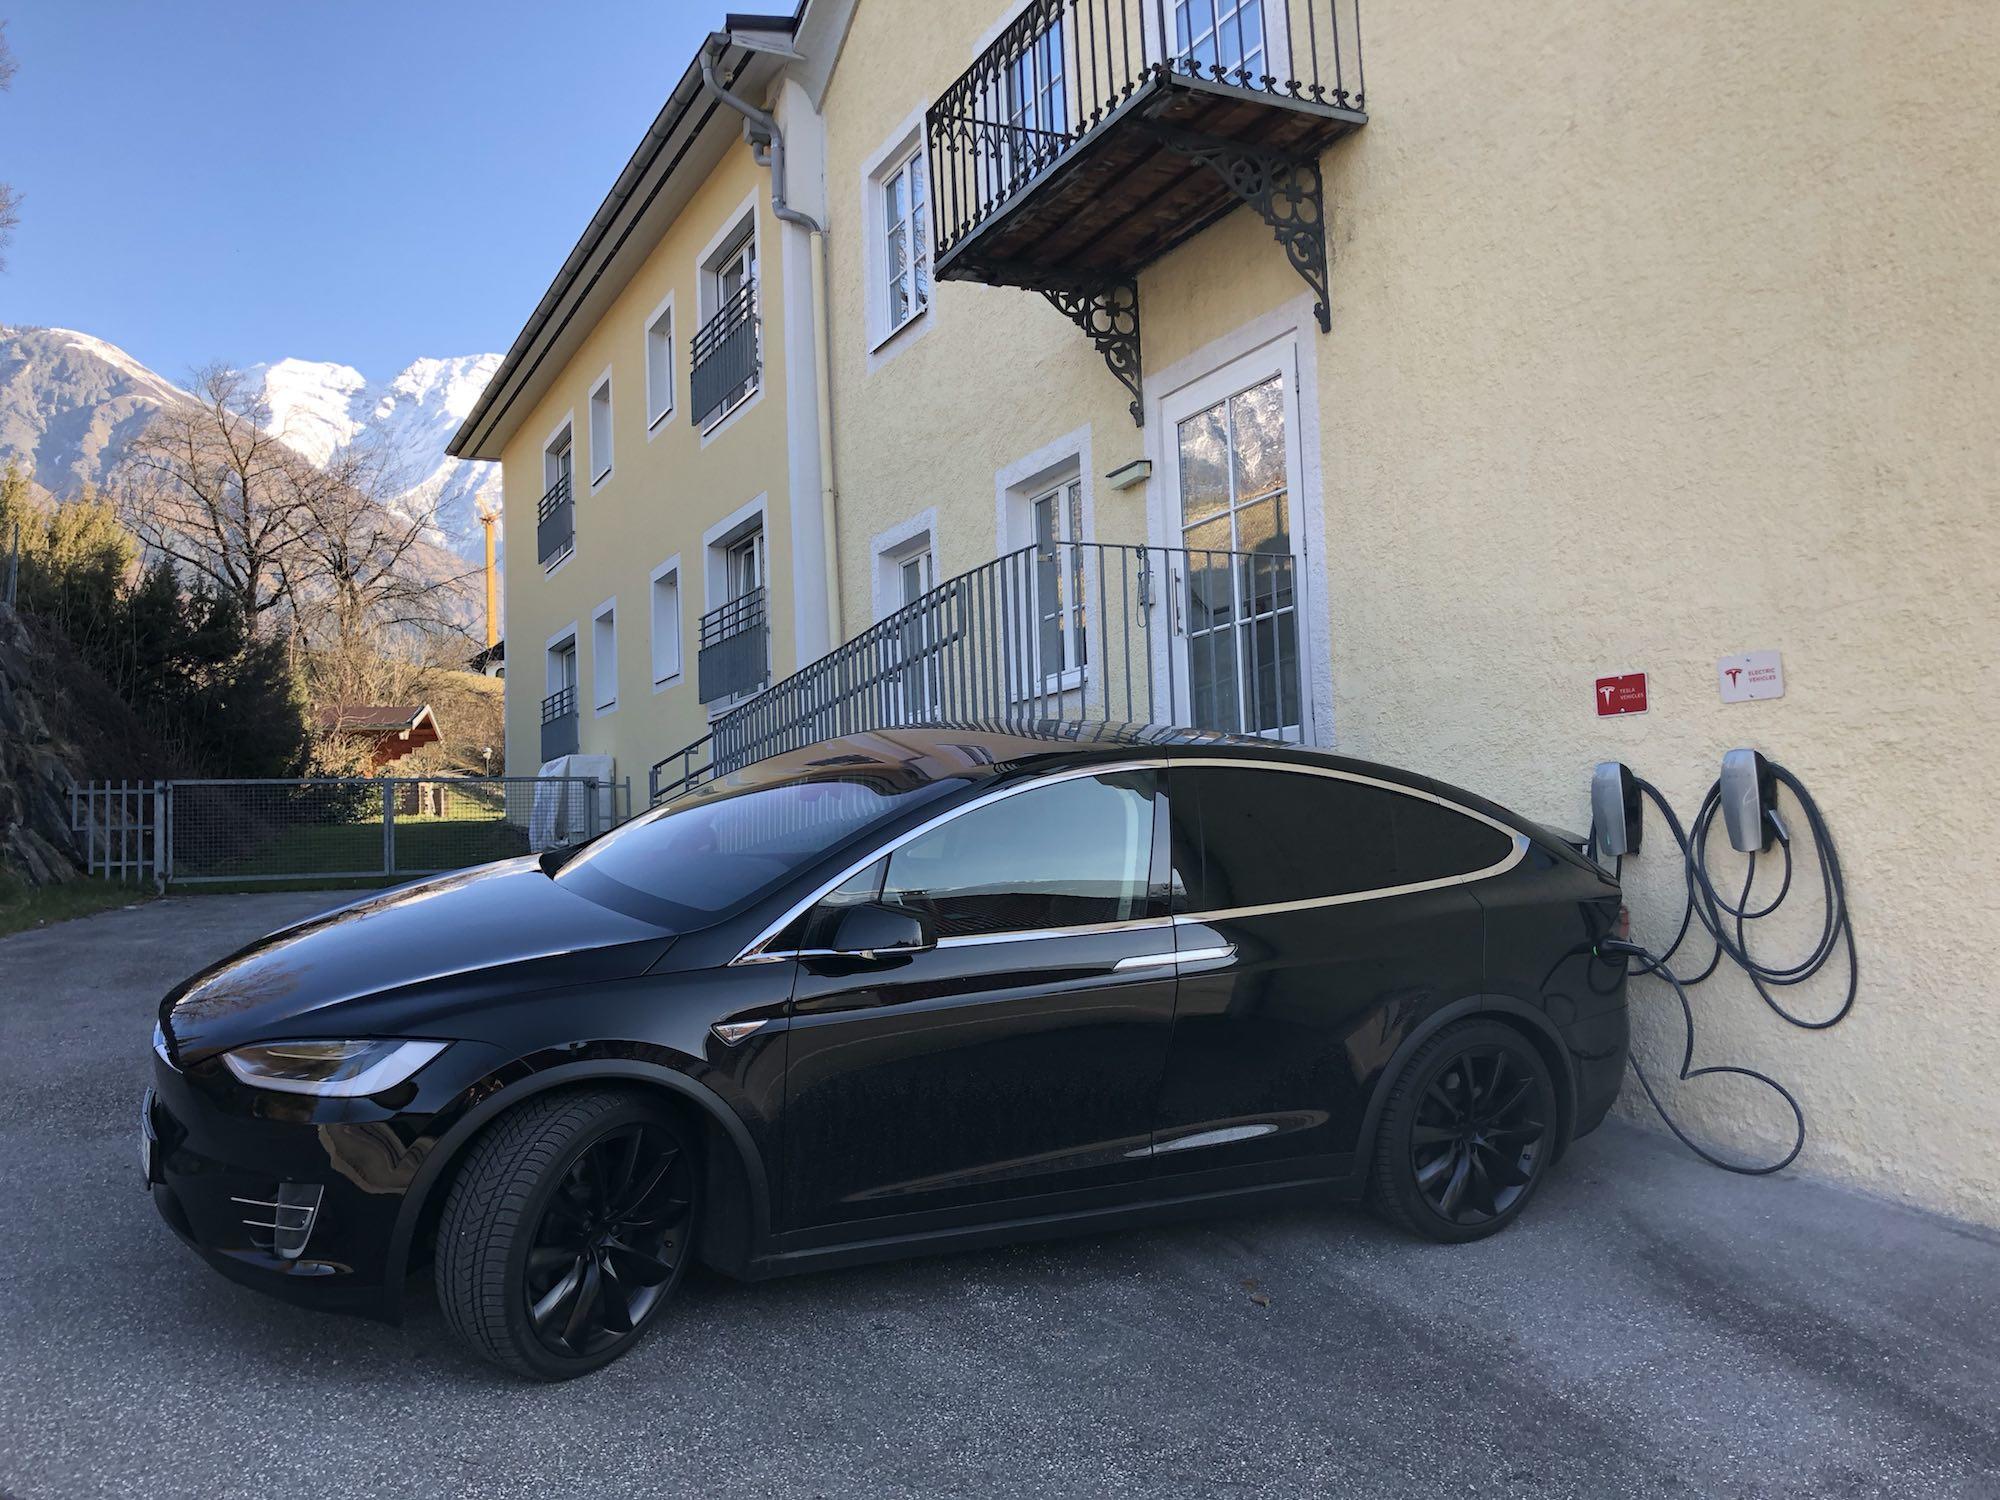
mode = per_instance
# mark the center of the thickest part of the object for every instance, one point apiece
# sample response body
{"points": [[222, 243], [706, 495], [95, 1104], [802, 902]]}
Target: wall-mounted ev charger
{"points": [[1749, 792], [1616, 813]]}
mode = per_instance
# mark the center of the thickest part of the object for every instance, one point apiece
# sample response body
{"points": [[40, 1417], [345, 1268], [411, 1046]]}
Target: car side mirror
{"points": [[874, 931]]}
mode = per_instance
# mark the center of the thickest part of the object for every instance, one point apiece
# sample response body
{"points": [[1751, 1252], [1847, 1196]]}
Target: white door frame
{"points": [[1275, 344]]}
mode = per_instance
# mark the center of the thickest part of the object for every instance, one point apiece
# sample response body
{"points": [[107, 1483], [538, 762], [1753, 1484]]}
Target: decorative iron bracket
{"points": [[1287, 192], [1105, 307], [1108, 311]]}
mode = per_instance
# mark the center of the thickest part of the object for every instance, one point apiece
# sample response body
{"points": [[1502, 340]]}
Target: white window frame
{"points": [[603, 663], [887, 337], [552, 654], [660, 414], [1272, 341], [716, 542], [890, 548], [708, 300], [551, 446], [675, 636], [599, 477], [1016, 488]]}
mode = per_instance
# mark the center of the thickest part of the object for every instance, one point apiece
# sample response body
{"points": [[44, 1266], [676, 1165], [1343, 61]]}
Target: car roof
{"points": [[940, 752]]}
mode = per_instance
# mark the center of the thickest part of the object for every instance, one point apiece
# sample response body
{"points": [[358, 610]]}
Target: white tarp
{"points": [[562, 813]]}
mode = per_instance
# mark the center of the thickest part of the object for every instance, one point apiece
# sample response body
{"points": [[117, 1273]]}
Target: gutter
{"points": [[767, 144]]}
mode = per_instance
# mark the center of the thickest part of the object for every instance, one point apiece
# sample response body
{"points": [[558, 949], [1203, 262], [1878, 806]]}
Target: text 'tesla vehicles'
{"points": [[914, 990]]}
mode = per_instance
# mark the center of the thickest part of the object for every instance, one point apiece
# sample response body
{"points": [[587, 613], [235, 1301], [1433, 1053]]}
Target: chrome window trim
{"points": [[755, 953]]}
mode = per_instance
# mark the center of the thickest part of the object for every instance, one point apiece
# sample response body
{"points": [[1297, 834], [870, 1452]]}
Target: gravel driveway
{"points": [[1652, 1327]]}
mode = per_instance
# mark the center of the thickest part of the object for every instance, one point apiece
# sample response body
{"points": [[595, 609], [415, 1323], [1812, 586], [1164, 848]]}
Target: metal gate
{"points": [[118, 825], [328, 828]]}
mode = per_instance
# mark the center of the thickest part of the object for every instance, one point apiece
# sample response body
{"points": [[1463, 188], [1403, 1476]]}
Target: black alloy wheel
{"points": [[567, 1230], [1469, 1128], [611, 1240]]}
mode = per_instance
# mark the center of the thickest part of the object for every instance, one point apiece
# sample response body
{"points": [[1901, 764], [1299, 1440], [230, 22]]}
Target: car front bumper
{"points": [[296, 1196]]}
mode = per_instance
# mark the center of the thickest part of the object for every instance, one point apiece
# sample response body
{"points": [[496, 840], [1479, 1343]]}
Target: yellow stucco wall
{"points": [[1659, 333], [663, 494]]}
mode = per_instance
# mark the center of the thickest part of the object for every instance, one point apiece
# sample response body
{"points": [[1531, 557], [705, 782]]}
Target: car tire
{"points": [[566, 1231], [1466, 1135]]}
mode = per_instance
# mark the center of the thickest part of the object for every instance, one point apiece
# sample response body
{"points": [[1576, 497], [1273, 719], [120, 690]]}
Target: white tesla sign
{"points": [[1752, 675]]}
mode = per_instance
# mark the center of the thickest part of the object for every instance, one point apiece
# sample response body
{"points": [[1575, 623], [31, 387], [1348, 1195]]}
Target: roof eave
{"points": [[494, 418]]}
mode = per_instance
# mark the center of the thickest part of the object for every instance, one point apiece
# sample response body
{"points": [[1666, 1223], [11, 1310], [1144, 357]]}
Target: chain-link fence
{"points": [[333, 829]]}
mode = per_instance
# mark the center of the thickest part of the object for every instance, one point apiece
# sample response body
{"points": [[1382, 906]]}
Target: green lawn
{"points": [[23, 906], [320, 849]]}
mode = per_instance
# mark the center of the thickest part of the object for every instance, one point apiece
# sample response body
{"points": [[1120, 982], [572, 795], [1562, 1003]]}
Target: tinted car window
{"points": [[712, 852], [1269, 837], [1273, 836], [1069, 854], [1433, 842]]}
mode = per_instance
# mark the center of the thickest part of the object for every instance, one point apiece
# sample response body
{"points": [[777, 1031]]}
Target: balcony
{"points": [[555, 522], [735, 649], [559, 722], [1094, 136], [725, 357], [1073, 633]]}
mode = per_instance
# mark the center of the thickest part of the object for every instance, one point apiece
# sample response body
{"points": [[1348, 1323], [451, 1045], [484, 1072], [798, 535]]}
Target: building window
{"points": [[604, 657], [666, 585], [660, 365], [555, 515], [1221, 33], [1037, 104], [906, 256], [735, 635], [726, 361], [600, 432]]}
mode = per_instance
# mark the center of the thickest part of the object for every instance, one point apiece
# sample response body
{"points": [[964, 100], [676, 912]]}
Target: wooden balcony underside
{"points": [[1124, 194]]}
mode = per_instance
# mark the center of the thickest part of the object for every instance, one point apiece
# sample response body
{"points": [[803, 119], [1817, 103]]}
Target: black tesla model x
{"points": [[914, 990]]}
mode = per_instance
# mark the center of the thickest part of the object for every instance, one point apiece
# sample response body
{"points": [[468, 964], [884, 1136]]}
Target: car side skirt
{"points": [[1153, 1207]]}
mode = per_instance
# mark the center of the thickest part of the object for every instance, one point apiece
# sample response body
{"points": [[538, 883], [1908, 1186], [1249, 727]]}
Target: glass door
{"points": [[1061, 646], [1239, 635], [920, 638]]}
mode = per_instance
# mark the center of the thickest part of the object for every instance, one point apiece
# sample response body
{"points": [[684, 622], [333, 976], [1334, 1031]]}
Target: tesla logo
{"points": [[1733, 674], [1625, 694]]}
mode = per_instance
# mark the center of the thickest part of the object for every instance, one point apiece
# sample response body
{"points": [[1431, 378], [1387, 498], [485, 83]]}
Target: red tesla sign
{"points": [[1621, 695]]}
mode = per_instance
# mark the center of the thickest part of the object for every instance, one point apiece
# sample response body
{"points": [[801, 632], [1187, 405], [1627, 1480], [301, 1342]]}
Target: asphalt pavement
{"points": [[1650, 1327]]}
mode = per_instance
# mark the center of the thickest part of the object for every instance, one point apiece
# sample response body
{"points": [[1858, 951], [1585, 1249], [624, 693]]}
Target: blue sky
{"points": [[365, 181]]}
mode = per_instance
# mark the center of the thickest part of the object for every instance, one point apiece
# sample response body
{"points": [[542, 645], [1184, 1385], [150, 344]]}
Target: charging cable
{"points": [[1656, 964], [1727, 923]]}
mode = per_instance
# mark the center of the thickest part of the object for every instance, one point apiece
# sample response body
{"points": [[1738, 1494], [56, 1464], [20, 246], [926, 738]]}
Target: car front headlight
{"points": [[341, 1070]]}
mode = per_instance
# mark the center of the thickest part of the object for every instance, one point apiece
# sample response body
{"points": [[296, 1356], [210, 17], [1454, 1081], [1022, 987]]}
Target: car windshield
{"points": [[714, 851]]}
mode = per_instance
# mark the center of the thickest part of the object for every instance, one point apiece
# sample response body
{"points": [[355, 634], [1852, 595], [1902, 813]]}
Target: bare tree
{"points": [[10, 201], [210, 486], [377, 604]]}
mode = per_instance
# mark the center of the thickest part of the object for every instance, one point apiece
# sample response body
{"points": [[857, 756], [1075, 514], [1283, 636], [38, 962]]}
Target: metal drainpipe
{"points": [[767, 144]]}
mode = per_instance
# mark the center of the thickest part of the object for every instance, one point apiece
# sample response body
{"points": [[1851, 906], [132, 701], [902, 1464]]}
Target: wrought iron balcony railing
{"points": [[735, 649], [1055, 633], [559, 724], [1093, 136], [555, 521], [725, 364]]}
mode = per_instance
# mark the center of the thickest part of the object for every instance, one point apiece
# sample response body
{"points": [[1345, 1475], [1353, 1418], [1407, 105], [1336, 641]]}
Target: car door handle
{"points": [[1169, 960]]}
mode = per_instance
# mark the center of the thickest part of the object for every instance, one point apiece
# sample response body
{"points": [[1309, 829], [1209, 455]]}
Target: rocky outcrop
{"points": [[36, 770]]}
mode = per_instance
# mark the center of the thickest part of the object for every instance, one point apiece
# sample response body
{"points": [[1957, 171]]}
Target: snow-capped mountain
{"points": [[70, 404], [320, 408]]}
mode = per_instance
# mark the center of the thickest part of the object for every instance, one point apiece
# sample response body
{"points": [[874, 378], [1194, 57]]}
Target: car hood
{"points": [[503, 927]]}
